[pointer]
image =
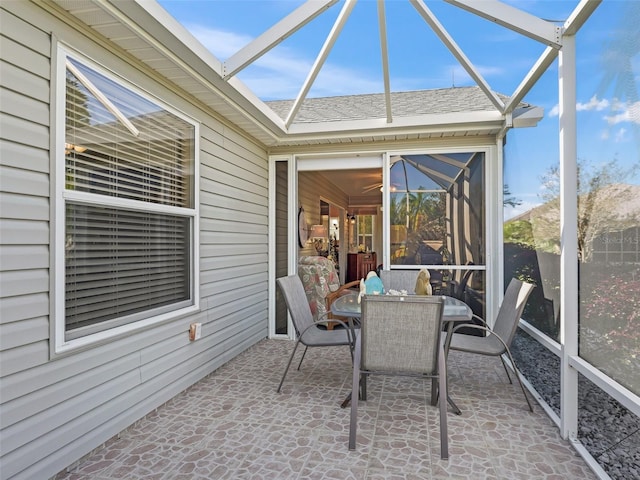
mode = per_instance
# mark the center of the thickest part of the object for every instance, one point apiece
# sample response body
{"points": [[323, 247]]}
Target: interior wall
{"points": [[312, 187]]}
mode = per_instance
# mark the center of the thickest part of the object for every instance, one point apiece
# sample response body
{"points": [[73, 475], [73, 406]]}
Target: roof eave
{"points": [[424, 123], [172, 38], [152, 24]]}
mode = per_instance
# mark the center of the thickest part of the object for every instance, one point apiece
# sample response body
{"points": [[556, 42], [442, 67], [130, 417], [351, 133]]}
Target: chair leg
{"points": [[363, 387], [442, 381], [355, 387], [303, 354], [515, 369], [434, 391], [506, 369], [288, 365], [450, 401]]}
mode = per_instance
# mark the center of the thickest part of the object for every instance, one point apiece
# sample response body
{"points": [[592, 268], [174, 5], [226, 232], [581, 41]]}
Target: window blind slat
{"points": [[114, 270]]}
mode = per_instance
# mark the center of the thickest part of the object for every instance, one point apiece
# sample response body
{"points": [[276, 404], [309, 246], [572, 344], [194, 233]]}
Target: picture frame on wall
{"points": [[303, 231]]}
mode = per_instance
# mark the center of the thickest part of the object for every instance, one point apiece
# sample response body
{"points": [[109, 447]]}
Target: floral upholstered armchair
{"points": [[322, 285]]}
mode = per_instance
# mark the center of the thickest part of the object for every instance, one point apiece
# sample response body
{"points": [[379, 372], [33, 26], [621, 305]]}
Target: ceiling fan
{"points": [[374, 186], [378, 185]]}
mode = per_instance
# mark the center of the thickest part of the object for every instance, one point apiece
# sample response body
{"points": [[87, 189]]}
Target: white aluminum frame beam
{"points": [[514, 19], [275, 35], [580, 15], [538, 69], [577, 18], [320, 59], [457, 52], [382, 25], [568, 238]]}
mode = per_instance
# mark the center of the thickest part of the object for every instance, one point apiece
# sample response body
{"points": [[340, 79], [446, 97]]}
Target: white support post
{"points": [[568, 238]]}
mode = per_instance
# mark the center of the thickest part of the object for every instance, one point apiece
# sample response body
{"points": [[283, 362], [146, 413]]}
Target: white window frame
{"points": [[60, 196]]}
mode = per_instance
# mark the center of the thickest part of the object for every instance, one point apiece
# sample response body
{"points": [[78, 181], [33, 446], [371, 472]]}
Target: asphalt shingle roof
{"points": [[403, 104]]}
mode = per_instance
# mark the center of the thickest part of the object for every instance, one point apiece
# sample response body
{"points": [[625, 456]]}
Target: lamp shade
{"points": [[319, 231]]}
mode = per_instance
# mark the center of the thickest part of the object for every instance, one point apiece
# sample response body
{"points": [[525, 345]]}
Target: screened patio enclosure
{"points": [[560, 198], [579, 236]]}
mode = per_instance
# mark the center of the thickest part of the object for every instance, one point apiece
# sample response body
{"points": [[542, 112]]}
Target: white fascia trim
{"points": [[527, 116], [175, 38], [514, 19], [277, 123], [455, 121], [178, 30]]}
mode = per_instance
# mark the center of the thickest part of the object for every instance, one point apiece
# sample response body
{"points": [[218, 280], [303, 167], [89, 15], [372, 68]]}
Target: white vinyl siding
{"points": [[61, 401]]}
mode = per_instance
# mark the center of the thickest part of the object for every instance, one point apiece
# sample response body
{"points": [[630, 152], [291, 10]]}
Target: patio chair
{"points": [[307, 331], [497, 341], [458, 288], [400, 335], [322, 286]]}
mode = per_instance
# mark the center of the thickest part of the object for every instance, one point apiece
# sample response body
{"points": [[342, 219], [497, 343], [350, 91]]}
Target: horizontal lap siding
{"points": [[54, 411]]}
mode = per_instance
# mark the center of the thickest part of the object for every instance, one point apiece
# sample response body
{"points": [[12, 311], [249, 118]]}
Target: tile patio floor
{"points": [[233, 425]]}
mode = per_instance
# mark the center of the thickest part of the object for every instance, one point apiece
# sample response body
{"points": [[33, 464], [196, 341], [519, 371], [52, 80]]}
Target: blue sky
{"points": [[608, 104]]}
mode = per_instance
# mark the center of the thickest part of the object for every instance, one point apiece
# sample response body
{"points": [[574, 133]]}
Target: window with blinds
{"points": [[129, 205]]}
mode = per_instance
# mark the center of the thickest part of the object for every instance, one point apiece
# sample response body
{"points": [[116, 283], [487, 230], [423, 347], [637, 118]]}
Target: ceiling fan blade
{"points": [[372, 187]]}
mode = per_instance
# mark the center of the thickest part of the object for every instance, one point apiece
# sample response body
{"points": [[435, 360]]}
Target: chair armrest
{"points": [[351, 333], [477, 327], [472, 325], [331, 296], [480, 319]]}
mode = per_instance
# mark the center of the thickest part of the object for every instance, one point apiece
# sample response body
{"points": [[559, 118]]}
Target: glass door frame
{"points": [[330, 161], [493, 216], [292, 239]]}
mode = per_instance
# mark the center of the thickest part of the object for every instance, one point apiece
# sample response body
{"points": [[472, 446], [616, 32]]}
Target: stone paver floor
{"points": [[233, 425]]}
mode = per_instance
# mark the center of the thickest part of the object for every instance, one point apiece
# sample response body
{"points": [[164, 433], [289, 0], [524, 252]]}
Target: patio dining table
{"points": [[454, 310]]}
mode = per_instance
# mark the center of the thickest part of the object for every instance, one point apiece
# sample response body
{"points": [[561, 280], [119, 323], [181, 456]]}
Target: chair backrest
{"points": [[458, 291], [296, 300], [399, 280], [325, 268], [511, 309], [401, 334]]}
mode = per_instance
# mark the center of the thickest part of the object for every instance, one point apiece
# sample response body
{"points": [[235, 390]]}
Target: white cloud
{"points": [[623, 112], [628, 113], [593, 104], [620, 135]]}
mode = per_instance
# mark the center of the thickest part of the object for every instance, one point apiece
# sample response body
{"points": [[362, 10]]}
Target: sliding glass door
{"points": [[280, 244], [436, 205]]}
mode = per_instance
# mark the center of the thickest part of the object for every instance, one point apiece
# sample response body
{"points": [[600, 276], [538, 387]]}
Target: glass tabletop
{"points": [[348, 306]]}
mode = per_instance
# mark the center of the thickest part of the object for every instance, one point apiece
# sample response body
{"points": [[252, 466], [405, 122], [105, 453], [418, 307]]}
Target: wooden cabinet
{"points": [[359, 264]]}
